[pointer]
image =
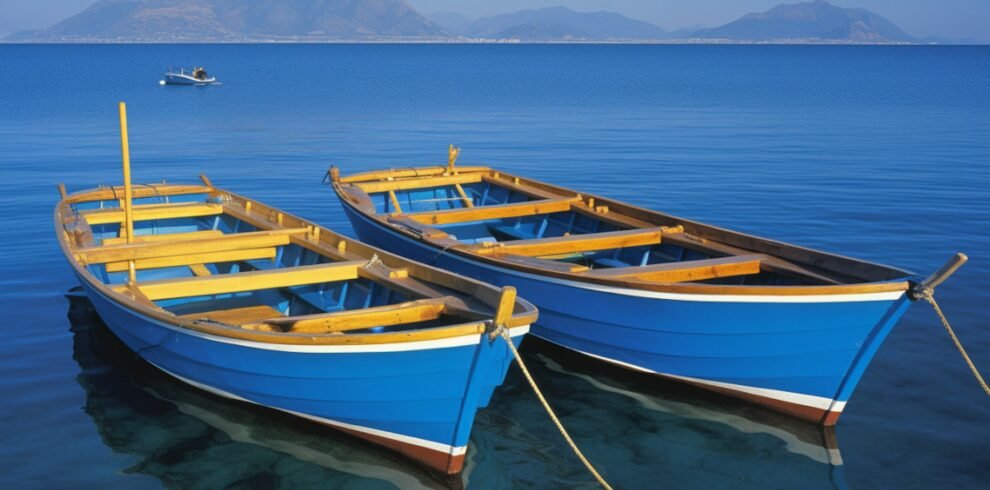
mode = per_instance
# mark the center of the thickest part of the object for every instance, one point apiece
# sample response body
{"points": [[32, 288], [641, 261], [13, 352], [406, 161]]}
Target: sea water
{"points": [[881, 153]]}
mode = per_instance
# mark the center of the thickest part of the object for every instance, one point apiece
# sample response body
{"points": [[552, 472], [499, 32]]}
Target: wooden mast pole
{"points": [[128, 208]]}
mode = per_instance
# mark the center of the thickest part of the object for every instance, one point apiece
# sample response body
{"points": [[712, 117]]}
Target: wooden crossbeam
{"points": [[541, 247], [249, 281], [379, 316], [418, 183], [395, 202], [239, 241], [200, 270], [467, 200], [692, 270], [545, 264], [146, 212], [197, 258], [770, 264], [237, 316], [511, 210], [165, 237]]}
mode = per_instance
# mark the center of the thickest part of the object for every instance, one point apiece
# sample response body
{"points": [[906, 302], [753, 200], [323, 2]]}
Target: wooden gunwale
{"points": [[839, 274], [68, 223]]}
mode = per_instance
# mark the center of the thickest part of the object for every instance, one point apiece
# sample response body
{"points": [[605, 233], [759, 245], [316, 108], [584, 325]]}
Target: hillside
{"points": [[817, 20], [228, 20], [559, 23]]}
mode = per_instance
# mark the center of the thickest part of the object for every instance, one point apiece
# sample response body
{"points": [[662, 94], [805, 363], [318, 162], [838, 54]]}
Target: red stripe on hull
{"points": [[436, 460], [826, 418]]}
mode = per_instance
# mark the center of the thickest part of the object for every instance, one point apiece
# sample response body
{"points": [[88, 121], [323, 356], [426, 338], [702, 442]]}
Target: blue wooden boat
{"points": [[776, 324], [254, 304]]}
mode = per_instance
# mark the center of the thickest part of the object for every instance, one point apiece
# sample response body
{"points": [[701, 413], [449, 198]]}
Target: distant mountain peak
{"points": [[562, 23], [226, 20], [814, 20]]}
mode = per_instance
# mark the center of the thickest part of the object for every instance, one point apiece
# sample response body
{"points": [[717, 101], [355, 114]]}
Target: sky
{"points": [[947, 18]]}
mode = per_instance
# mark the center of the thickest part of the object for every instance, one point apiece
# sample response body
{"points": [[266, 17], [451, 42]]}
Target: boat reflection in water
{"points": [[187, 438], [653, 430]]}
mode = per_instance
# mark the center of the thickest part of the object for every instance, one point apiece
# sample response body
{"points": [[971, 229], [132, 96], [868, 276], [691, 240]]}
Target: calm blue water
{"points": [[877, 152]]}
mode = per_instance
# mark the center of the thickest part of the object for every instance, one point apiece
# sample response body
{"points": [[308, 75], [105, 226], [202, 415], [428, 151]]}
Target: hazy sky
{"points": [[949, 18]]}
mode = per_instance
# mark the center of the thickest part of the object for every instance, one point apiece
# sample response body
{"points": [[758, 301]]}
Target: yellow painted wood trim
{"points": [[687, 271], [418, 183], [395, 202], [238, 241], [506, 305], [525, 189], [165, 237], [200, 270], [405, 173], [574, 243], [146, 212], [464, 196], [249, 281], [512, 210], [379, 316], [198, 258]]}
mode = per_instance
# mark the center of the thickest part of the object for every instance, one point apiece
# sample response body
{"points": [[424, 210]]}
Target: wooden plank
{"points": [[146, 212], [200, 270], [238, 241], [395, 202], [406, 172], [511, 210], [141, 191], [525, 189], [200, 258], [237, 316], [545, 264], [418, 183], [379, 316], [506, 304], [574, 243], [467, 200], [692, 270], [613, 218], [417, 227], [165, 237], [250, 281], [770, 264]]}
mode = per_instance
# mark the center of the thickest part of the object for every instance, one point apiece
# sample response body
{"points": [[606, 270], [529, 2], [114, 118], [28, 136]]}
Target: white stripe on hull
{"points": [[415, 441], [813, 401]]}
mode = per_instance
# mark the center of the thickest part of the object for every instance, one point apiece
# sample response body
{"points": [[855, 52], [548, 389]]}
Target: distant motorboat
{"points": [[197, 76]]}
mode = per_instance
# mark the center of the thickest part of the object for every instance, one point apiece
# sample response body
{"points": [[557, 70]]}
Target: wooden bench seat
{"points": [[147, 212], [561, 245], [236, 241], [687, 271], [499, 211], [237, 316], [342, 321], [186, 287]]}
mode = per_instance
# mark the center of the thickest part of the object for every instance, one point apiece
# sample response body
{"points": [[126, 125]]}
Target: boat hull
{"points": [[801, 355], [177, 79], [418, 398]]}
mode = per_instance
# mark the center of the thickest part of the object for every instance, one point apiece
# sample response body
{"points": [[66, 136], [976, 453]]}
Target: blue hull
{"points": [[802, 355], [419, 398]]}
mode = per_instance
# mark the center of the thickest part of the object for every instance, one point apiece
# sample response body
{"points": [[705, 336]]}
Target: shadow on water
{"points": [[643, 430], [187, 438]]}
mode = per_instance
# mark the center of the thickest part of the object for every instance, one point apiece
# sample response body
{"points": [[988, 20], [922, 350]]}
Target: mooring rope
{"points": [[504, 332], [928, 294]]}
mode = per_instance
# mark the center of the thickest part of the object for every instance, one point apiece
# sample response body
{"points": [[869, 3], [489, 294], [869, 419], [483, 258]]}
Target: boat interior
{"points": [[531, 225], [208, 256]]}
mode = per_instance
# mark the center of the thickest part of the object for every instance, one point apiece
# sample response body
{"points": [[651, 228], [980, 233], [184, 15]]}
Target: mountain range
{"points": [[395, 20]]}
